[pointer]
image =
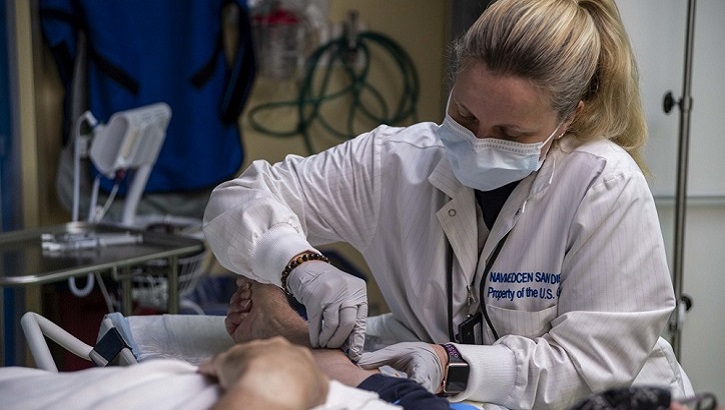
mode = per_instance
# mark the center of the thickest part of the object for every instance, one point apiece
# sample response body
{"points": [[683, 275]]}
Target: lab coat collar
{"points": [[443, 178], [459, 214]]}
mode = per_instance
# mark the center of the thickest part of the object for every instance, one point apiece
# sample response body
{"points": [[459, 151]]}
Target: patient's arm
{"points": [[260, 311], [269, 374]]}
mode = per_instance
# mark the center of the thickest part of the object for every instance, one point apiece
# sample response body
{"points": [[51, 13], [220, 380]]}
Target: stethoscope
{"points": [[466, 328]]}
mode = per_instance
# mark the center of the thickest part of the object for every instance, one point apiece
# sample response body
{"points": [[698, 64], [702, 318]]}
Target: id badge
{"points": [[469, 331]]}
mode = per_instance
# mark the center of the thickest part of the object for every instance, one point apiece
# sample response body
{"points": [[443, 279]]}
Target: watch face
{"points": [[457, 377]]}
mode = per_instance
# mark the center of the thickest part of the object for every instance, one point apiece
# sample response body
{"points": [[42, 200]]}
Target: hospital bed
{"points": [[124, 376], [138, 343], [128, 341]]}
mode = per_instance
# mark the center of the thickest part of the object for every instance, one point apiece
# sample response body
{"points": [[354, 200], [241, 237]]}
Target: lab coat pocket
{"points": [[523, 323]]}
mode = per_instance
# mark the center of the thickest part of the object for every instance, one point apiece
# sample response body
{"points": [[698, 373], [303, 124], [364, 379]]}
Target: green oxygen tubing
{"points": [[350, 55]]}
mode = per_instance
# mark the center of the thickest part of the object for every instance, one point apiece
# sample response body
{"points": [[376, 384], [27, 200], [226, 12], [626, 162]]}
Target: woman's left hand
{"points": [[421, 361]]}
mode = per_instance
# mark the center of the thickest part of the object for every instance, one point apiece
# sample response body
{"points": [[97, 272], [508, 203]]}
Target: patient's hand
{"points": [[270, 374]]}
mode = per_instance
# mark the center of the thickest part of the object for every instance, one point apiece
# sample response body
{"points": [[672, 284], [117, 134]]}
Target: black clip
{"points": [[107, 349], [469, 330]]}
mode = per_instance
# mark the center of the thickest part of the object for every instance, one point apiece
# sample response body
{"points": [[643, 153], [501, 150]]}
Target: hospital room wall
{"points": [[657, 29]]}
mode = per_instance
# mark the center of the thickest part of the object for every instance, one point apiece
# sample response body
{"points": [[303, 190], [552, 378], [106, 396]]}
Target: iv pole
{"points": [[685, 103]]}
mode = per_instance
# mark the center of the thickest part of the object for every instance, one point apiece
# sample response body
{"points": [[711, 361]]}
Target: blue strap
{"points": [[462, 406]]}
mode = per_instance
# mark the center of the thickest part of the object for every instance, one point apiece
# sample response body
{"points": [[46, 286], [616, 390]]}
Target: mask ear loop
{"points": [[571, 118], [448, 102], [551, 137], [543, 155]]}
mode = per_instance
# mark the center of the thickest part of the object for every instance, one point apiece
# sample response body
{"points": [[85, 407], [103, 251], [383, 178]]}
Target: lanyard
{"points": [[482, 306]]}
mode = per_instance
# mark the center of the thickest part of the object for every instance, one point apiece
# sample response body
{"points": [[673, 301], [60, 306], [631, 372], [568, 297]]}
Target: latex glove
{"points": [[336, 304], [417, 359]]}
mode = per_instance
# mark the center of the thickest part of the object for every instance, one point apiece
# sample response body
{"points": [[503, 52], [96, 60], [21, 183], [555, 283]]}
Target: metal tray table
{"points": [[24, 262]]}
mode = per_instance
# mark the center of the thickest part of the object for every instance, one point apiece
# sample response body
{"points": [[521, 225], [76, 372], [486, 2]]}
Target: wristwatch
{"points": [[456, 378]]}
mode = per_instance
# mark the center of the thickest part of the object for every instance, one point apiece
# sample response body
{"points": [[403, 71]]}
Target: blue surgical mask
{"points": [[488, 163]]}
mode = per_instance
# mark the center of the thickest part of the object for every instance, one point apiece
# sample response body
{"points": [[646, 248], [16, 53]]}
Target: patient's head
{"points": [[270, 374]]}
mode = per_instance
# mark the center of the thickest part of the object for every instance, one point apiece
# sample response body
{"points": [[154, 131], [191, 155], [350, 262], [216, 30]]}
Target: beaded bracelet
{"points": [[297, 261]]}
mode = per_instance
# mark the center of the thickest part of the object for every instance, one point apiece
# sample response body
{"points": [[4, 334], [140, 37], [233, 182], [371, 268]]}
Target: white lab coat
{"points": [[581, 292]]}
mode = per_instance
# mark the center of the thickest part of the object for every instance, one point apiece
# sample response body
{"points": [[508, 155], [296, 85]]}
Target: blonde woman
{"points": [[517, 243]]}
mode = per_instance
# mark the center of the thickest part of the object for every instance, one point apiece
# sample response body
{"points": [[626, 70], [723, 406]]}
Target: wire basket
{"points": [[149, 283]]}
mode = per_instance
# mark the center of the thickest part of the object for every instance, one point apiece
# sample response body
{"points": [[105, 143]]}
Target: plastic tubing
{"points": [[325, 61]]}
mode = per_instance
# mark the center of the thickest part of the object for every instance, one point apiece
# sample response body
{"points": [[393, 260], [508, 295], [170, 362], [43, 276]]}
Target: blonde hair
{"points": [[574, 50]]}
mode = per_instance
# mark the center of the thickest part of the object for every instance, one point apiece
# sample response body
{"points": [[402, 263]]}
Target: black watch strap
{"points": [[455, 379]]}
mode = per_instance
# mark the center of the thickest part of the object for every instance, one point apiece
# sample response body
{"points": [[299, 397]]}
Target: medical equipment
{"points": [[683, 301], [128, 144], [24, 262], [131, 141], [52, 243], [277, 42], [350, 55]]}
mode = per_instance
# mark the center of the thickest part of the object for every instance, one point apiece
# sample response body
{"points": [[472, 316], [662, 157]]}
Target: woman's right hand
{"points": [[336, 304]]}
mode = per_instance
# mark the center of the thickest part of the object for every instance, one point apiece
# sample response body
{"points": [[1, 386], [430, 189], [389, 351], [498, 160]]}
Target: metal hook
{"points": [[669, 102]]}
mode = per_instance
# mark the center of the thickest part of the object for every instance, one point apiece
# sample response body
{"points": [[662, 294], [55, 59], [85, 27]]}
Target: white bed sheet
{"points": [[157, 384], [162, 384]]}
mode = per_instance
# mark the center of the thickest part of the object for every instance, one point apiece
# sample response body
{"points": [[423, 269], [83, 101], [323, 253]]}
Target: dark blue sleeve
{"points": [[241, 76], [403, 392], [60, 24]]}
